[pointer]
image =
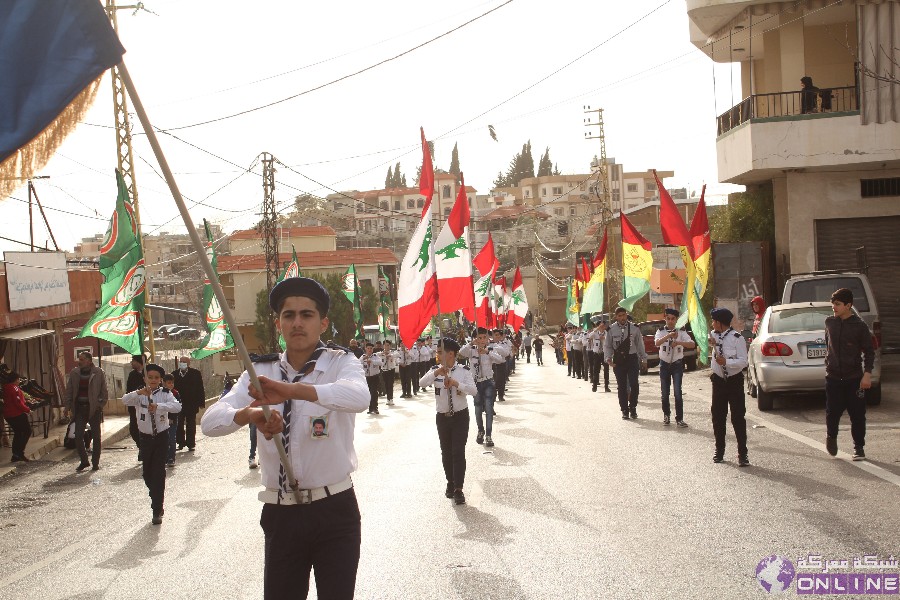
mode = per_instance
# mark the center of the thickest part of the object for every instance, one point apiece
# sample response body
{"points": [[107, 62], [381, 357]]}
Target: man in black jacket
{"points": [[849, 359], [189, 383]]}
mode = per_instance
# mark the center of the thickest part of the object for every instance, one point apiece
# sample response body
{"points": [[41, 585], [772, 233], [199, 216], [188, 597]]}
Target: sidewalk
{"points": [[113, 429]]}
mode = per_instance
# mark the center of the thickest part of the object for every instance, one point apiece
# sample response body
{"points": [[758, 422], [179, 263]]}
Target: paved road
{"points": [[573, 502]]}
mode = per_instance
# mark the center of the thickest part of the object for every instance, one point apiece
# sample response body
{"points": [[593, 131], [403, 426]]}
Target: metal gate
{"points": [[836, 244]]}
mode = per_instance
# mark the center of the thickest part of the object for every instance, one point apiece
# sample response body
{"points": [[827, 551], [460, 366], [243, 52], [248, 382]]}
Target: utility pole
{"points": [[125, 158], [33, 193], [270, 232], [602, 169]]}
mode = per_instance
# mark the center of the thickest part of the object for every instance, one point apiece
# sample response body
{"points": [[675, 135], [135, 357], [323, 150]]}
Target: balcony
{"points": [[840, 100]]}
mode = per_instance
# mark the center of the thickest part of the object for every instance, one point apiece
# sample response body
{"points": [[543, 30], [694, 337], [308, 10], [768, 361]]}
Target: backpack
{"points": [[621, 352]]}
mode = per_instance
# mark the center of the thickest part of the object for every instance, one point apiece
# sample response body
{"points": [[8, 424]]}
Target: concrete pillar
{"points": [[782, 230]]}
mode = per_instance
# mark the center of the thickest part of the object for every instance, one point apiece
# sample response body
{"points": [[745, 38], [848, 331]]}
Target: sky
{"points": [[527, 68]]}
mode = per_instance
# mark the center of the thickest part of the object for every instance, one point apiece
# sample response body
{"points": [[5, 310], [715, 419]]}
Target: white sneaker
{"points": [[252, 463]]}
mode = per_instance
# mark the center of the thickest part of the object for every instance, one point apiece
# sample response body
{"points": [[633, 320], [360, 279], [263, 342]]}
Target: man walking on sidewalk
{"points": [[624, 350], [86, 395], [849, 359]]}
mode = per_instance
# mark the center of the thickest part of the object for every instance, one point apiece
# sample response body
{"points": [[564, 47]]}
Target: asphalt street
{"points": [[572, 502]]}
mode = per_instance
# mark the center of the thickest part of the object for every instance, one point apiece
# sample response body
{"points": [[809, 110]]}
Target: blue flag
{"points": [[50, 51]]}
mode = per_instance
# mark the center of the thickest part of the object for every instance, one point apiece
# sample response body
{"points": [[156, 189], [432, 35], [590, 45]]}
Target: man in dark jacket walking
{"points": [[189, 383], [849, 359]]}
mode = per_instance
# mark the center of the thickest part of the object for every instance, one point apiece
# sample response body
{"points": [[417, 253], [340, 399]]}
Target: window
{"points": [[581, 187], [410, 203], [557, 191], [396, 205], [528, 193], [572, 211], [562, 228], [877, 188], [470, 201], [651, 187], [632, 187], [383, 205], [615, 174], [420, 203], [543, 191], [446, 212], [615, 196], [446, 191], [559, 212]]}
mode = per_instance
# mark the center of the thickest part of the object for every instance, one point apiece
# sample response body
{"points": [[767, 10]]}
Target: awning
{"points": [[24, 334]]}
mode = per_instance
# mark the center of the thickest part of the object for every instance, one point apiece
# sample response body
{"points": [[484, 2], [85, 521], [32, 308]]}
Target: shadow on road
{"points": [[482, 527]]}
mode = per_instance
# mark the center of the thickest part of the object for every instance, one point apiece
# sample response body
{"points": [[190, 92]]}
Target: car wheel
{"points": [[873, 395], [764, 400]]}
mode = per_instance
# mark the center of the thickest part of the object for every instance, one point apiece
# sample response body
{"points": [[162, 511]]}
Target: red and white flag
{"points": [[417, 290], [453, 259], [486, 262], [518, 307]]}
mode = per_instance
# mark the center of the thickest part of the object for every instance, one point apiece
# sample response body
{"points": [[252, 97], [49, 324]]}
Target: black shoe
{"points": [[449, 492], [743, 461], [459, 497], [831, 445], [859, 454], [157, 517], [179, 447], [480, 438], [82, 467], [625, 414], [718, 457], [594, 388], [667, 420], [606, 389], [488, 441], [634, 414], [95, 468]]}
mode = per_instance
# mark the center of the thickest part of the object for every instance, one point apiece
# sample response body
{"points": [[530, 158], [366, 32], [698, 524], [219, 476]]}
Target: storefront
{"points": [[32, 353]]}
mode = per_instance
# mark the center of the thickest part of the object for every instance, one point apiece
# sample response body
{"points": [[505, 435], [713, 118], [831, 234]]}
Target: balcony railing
{"points": [[783, 104]]}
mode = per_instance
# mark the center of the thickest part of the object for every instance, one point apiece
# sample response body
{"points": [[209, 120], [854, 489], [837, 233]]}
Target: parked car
{"points": [[788, 355], [648, 331], [818, 287], [185, 333], [163, 329]]}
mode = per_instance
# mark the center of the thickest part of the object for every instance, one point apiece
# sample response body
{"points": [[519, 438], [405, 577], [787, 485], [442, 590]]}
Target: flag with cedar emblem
{"points": [[453, 259], [518, 302], [417, 291]]}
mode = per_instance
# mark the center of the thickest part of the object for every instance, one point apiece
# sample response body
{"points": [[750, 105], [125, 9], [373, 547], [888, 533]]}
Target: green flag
{"points": [[384, 302], [119, 319], [351, 291], [218, 337], [571, 305]]}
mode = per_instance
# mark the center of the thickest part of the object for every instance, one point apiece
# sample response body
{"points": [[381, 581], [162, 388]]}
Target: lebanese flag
{"points": [[486, 262], [519, 306], [484, 312], [499, 300], [453, 259], [417, 289]]}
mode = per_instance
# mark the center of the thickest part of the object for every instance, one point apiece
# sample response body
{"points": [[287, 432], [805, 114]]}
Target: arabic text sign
{"points": [[36, 279]]}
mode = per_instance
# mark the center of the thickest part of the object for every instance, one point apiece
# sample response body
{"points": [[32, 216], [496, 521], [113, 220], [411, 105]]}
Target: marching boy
{"points": [[153, 404]]}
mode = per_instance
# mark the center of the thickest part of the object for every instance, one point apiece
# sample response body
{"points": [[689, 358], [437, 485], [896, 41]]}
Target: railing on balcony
{"points": [[783, 104]]}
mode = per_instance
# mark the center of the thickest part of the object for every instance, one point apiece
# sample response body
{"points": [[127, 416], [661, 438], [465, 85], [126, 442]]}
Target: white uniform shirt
{"points": [[616, 335], [732, 346], [503, 348], [569, 341], [441, 394], [482, 364], [668, 352], [389, 360], [597, 337], [371, 364], [414, 354], [316, 461], [165, 403], [406, 357], [578, 341]]}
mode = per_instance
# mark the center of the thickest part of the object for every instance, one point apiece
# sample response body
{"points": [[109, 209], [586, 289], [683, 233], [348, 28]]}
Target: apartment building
{"points": [[828, 147]]}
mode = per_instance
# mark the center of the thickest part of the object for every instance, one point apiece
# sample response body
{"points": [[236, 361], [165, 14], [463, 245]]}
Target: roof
{"points": [[510, 212], [312, 260], [252, 234]]}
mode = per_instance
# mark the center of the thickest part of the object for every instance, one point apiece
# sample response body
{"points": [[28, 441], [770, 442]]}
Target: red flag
{"points": [[674, 231], [700, 228], [486, 261], [426, 178], [585, 270], [601, 253], [459, 216]]}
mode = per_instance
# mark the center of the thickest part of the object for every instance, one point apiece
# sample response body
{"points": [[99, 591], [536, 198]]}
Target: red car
{"points": [[648, 331]]}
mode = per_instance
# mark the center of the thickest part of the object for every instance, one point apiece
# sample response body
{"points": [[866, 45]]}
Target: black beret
{"points": [[155, 367], [672, 311], [722, 315], [138, 357], [449, 344], [299, 286]]}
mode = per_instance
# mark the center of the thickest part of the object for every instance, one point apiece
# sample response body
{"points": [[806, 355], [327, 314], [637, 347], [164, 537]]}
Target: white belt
{"points": [[270, 496]]}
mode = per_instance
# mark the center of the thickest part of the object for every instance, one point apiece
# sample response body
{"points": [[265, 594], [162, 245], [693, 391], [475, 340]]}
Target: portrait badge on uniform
{"points": [[318, 427]]}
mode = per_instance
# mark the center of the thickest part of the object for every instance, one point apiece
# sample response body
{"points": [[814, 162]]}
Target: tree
{"points": [[501, 180], [545, 166], [264, 324], [388, 179], [520, 167], [749, 216], [454, 162]]}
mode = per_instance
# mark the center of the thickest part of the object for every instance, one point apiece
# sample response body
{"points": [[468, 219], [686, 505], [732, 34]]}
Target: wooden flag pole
{"points": [[200, 251]]}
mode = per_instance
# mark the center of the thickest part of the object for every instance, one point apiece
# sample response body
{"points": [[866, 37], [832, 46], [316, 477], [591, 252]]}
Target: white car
{"points": [[788, 355]]}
